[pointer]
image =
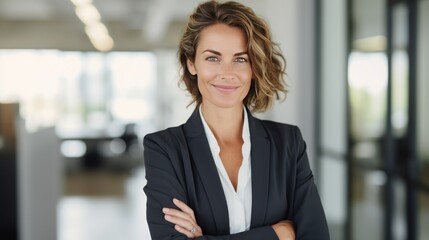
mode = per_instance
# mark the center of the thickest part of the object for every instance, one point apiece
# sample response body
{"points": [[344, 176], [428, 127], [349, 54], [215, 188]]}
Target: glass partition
{"points": [[422, 91], [332, 122], [423, 118]]}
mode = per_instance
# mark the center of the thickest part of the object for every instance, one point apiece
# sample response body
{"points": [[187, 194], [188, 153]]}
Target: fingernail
{"points": [[175, 200], [164, 210]]}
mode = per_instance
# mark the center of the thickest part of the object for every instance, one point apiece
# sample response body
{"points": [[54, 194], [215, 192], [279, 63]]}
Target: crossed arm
{"points": [[184, 222]]}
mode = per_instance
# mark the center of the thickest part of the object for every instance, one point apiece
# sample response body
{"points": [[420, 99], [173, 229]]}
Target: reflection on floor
{"points": [[109, 205], [368, 209], [103, 205]]}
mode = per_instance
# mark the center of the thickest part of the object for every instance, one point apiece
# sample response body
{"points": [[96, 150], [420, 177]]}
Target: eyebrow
{"points": [[220, 54]]}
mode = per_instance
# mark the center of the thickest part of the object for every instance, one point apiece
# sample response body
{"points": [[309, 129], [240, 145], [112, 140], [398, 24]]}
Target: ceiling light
{"points": [[102, 43], [96, 29], [81, 2], [88, 14]]}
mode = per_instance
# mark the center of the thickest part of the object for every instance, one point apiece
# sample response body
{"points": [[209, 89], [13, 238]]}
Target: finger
{"points": [[182, 206], [184, 231], [197, 233], [178, 213], [184, 223]]}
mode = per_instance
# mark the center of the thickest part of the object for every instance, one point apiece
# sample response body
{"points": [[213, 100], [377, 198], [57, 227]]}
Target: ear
{"points": [[191, 67]]}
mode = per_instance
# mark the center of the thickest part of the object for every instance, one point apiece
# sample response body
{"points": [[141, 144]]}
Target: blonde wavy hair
{"points": [[267, 62]]}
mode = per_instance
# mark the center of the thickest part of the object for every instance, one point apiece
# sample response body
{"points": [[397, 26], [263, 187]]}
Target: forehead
{"points": [[221, 37]]}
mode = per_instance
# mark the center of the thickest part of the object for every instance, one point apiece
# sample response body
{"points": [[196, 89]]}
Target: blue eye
{"points": [[241, 60], [212, 59]]}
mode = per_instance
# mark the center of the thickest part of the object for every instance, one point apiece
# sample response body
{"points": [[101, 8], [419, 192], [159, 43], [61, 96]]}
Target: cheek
{"points": [[247, 76], [203, 82], [249, 80], [248, 86], [207, 74]]}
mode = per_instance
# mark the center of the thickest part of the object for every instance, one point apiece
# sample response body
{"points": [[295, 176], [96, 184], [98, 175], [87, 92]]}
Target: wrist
{"points": [[284, 230]]}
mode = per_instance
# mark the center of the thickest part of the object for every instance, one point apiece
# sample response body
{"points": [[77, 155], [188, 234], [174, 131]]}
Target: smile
{"points": [[225, 88]]}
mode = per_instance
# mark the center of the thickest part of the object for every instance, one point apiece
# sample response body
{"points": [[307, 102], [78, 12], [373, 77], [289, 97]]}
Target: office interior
{"points": [[83, 81]]}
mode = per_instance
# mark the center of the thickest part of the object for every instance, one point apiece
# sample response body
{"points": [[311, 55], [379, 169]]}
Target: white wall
{"points": [[333, 107], [292, 24], [40, 183]]}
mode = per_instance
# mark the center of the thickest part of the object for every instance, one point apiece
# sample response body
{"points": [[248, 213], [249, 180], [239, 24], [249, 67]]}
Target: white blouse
{"points": [[239, 202]]}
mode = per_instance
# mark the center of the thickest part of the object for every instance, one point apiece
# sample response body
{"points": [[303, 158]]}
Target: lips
{"points": [[225, 88]]}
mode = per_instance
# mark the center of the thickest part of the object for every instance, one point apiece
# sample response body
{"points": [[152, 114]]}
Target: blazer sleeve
{"points": [[164, 183], [308, 216]]}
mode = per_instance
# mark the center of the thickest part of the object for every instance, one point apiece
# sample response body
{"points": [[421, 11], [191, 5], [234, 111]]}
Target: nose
{"points": [[227, 71]]}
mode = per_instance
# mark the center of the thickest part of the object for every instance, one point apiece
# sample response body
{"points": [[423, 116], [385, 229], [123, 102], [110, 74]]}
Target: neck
{"points": [[225, 123]]}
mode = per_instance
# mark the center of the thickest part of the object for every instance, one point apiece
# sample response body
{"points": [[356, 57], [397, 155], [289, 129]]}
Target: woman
{"points": [[225, 174]]}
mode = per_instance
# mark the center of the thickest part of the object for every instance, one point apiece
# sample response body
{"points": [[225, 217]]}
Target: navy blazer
{"points": [[179, 164]]}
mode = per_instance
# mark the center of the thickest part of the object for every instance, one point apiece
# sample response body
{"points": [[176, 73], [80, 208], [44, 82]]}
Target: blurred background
{"points": [[82, 82]]}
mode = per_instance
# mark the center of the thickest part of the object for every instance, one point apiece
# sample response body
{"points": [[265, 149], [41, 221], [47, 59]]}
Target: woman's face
{"points": [[222, 66]]}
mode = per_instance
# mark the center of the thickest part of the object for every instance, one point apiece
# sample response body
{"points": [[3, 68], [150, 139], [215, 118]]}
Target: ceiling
{"points": [[132, 24]]}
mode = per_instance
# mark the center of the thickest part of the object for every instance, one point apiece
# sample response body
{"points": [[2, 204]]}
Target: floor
{"points": [[111, 205], [103, 205]]}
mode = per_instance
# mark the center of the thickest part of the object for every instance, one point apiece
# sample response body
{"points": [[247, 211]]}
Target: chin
{"points": [[228, 104], [224, 101]]}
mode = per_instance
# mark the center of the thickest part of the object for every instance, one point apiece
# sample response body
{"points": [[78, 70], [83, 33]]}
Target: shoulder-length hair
{"points": [[267, 62]]}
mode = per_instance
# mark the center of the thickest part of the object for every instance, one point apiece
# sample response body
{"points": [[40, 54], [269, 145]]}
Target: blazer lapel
{"points": [[260, 160], [203, 160]]}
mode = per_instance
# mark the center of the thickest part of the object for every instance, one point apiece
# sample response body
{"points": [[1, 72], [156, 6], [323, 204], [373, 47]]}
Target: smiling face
{"points": [[222, 66]]}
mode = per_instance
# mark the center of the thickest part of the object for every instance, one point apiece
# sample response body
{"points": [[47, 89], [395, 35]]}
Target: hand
{"points": [[285, 230], [184, 219]]}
